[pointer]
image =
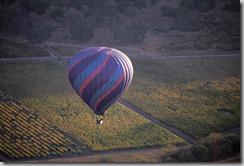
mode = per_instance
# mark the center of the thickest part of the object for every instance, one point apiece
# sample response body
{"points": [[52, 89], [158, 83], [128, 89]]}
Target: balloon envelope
{"points": [[99, 75]]}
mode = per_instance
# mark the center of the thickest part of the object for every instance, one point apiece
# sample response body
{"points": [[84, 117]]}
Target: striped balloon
{"points": [[99, 75]]}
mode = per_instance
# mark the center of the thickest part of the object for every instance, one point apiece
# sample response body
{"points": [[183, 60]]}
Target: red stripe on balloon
{"points": [[110, 90], [89, 79]]}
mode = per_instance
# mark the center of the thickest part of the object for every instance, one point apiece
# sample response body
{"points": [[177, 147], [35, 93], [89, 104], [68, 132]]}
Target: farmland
{"points": [[183, 104], [44, 88], [25, 134], [197, 95], [12, 49]]}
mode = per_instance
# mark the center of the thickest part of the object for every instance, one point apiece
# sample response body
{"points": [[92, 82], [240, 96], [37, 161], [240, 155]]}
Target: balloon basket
{"points": [[99, 120]]}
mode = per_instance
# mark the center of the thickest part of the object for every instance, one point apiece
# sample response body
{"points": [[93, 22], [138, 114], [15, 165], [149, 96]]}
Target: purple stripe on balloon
{"points": [[82, 55], [81, 67], [110, 99], [97, 83]]}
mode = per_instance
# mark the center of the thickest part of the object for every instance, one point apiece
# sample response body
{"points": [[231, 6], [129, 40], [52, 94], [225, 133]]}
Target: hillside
{"points": [[154, 25]]}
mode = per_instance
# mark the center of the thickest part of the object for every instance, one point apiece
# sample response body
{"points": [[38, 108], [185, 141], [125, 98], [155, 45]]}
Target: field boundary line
{"points": [[102, 152], [32, 59], [195, 56], [171, 128], [57, 57]]}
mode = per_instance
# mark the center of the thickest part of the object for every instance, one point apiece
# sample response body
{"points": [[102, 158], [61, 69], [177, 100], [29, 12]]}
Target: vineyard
{"points": [[25, 134], [199, 96], [50, 95], [179, 101], [42, 117]]}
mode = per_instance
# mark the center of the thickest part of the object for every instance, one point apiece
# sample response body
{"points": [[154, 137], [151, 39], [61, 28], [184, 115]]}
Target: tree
{"points": [[37, 6], [57, 13], [80, 27], [205, 5], [40, 6], [133, 33], [167, 11], [39, 34]]}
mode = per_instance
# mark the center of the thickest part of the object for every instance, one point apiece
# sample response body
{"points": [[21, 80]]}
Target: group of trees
{"points": [[194, 15], [36, 6], [184, 20], [80, 17]]}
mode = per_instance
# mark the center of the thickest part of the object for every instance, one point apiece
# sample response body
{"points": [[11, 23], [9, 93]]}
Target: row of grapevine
{"points": [[197, 95], [83, 127], [25, 134]]}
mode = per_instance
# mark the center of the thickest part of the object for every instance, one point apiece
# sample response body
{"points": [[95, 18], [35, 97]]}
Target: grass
{"points": [[11, 49], [66, 51], [44, 88], [187, 93], [152, 156]]}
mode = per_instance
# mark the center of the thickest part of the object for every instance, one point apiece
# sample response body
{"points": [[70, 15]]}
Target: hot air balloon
{"points": [[100, 75]]}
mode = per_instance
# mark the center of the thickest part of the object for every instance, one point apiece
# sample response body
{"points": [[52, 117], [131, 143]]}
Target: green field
{"points": [[197, 95], [11, 49], [44, 87]]}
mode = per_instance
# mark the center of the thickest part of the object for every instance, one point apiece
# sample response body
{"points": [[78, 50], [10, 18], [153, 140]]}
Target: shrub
{"points": [[218, 146], [131, 11], [188, 24], [186, 156], [40, 6], [189, 4], [235, 142], [226, 34], [181, 11], [165, 27], [11, 19], [77, 4], [86, 10], [135, 33], [212, 148], [199, 5], [37, 6], [205, 5], [140, 3], [124, 4], [233, 6], [167, 11], [153, 2], [81, 28], [39, 34], [98, 14], [114, 24], [57, 13], [199, 152], [25, 6]]}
